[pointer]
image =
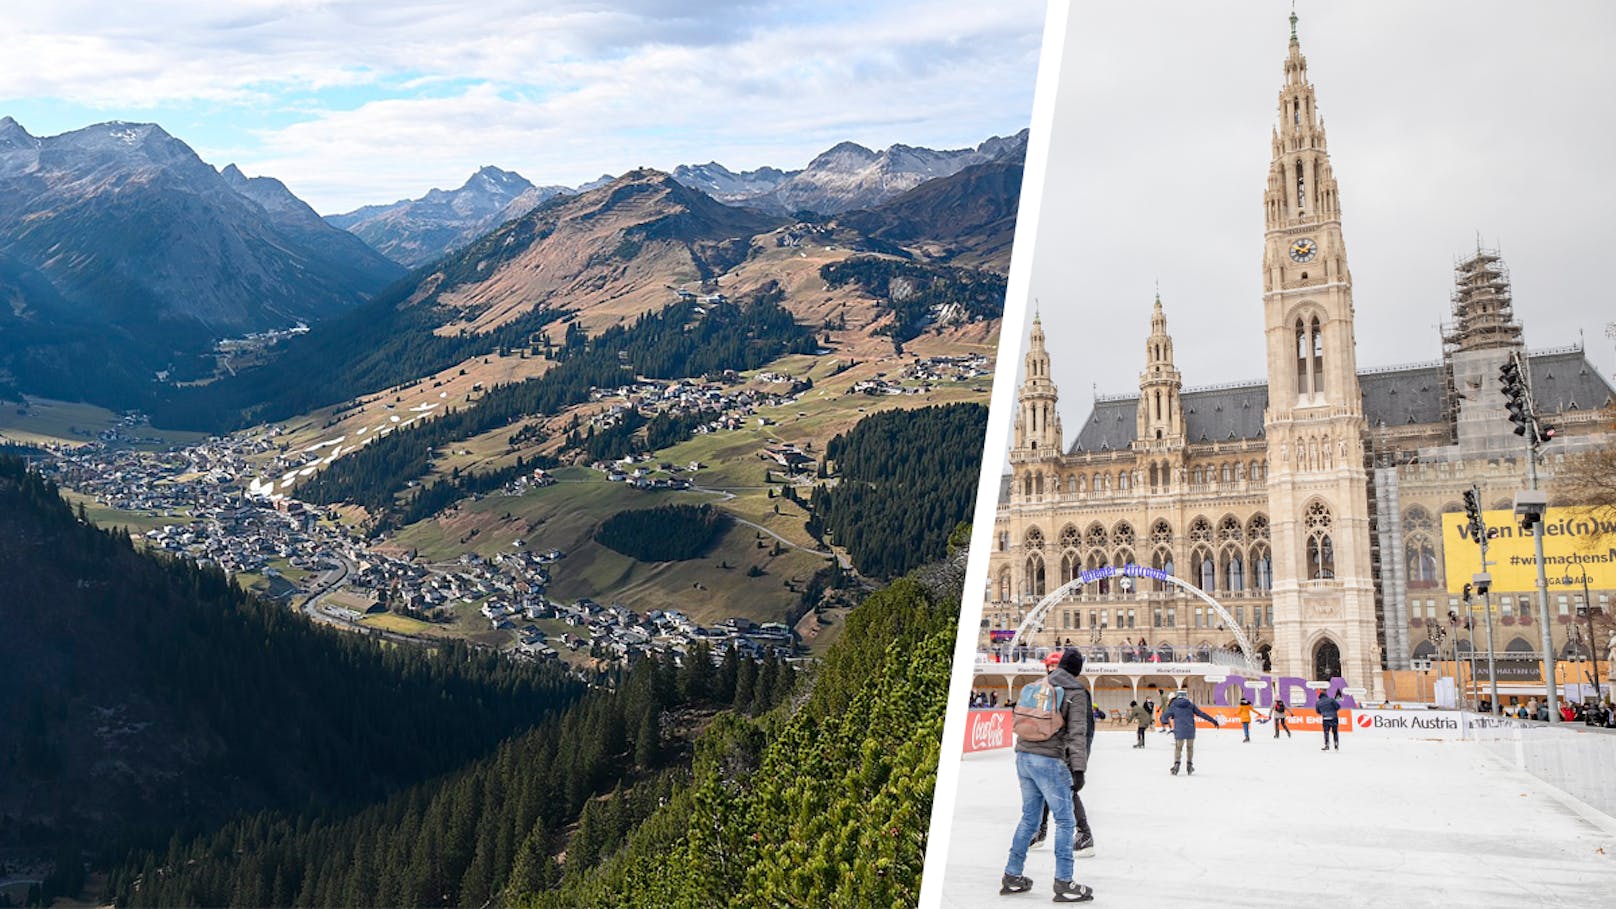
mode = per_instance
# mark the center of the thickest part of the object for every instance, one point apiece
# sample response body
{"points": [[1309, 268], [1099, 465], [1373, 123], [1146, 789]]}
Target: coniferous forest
{"points": [[269, 761], [147, 697], [912, 292], [907, 477], [663, 534], [678, 342]]}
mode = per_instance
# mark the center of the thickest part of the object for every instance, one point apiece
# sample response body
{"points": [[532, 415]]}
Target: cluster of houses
{"points": [[223, 523], [725, 406]]}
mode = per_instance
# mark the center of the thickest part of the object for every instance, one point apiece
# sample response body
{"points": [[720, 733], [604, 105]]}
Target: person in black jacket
{"points": [[1083, 845], [1051, 772], [1330, 715]]}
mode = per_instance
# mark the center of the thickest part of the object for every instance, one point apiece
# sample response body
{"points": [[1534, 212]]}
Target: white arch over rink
{"points": [[1131, 570]]}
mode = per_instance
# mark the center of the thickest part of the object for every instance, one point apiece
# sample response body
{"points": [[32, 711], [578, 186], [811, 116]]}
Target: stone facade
{"points": [[1308, 504]]}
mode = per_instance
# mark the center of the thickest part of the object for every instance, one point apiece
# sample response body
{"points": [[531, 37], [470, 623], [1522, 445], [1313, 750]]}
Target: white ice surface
{"points": [[1381, 823]]}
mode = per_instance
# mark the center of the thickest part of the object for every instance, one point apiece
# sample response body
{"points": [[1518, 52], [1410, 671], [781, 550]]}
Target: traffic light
{"points": [[1472, 506], [1467, 594], [1509, 376]]}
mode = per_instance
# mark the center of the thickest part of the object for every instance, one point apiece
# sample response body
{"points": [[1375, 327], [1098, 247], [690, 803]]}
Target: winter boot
{"points": [[1084, 847], [1069, 892], [1175, 768]]}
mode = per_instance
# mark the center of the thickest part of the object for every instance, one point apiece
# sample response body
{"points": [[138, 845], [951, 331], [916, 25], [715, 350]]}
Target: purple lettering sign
{"points": [[1261, 691]]}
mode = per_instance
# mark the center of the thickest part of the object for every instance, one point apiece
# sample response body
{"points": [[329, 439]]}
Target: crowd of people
{"points": [[1601, 713]]}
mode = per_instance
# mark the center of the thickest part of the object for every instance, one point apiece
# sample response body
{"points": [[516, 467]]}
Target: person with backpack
{"points": [[1330, 716], [1053, 728], [1280, 710], [1181, 712], [1141, 716]]}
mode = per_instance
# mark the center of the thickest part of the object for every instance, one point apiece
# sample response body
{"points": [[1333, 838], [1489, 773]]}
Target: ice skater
{"points": [[1245, 712], [1141, 716], [1182, 712], [1330, 715], [1083, 842], [1050, 768], [1279, 712]]}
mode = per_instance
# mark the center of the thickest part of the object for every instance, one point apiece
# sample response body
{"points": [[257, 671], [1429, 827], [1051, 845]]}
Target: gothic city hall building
{"points": [[1307, 502]]}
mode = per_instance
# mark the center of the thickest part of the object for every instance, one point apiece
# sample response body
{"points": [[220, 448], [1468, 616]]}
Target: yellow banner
{"points": [[1571, 555]]}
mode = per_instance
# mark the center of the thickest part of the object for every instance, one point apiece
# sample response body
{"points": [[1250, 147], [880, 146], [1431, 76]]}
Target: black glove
{"points": [[1077, 781]]}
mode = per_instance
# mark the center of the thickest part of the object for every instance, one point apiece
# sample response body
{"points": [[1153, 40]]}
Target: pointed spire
{"points": [[1293, 22]]}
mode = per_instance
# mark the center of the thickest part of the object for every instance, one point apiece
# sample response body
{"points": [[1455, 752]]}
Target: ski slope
{"points": [[1383, 822]]}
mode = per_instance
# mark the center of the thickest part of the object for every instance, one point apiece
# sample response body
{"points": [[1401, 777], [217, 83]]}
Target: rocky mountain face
{"points": [[725, 185], [968, 218], [850, 176], [137, 235], [414, 232]]}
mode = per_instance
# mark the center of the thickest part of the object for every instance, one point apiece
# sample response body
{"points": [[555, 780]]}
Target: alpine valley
{"points": [[478, 546]]}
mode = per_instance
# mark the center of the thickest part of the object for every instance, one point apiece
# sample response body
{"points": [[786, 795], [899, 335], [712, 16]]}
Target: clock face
{"points": [[1304, 250]]}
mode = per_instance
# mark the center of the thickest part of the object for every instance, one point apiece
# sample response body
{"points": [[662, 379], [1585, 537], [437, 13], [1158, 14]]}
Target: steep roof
{"points": [[1561, 380]]}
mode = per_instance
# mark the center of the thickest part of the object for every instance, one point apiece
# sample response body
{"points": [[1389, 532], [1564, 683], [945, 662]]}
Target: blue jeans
{"points": [[1044, 780]]}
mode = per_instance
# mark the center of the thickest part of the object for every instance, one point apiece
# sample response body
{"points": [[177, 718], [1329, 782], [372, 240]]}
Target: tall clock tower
{"points": [[1324, 602]]}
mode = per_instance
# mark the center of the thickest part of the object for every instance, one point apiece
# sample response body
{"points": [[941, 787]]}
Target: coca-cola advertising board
{"points": [[988, 729]]}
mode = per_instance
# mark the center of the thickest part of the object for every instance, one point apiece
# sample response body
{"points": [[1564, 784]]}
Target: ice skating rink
{"points": [[1383, 823]]}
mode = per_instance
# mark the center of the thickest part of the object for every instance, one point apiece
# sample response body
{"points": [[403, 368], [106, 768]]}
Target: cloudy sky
{"points": [[353, 102], [1445, 120]]}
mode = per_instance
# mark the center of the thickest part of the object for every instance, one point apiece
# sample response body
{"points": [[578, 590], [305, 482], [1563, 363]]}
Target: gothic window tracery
{"points": [[1096, 537], [1262, 568], [1035, 575], [1200, 531], [1229, 530], [1317, 523], [1124, 534], [1161, 534], [1033, 539]]}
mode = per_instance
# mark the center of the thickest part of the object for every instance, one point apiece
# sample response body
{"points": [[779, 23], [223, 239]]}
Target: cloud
{"points": [[398, 97]]}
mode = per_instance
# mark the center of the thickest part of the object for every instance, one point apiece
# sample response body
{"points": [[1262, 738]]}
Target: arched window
{"points": [[1154, 480], [1226, 475], [1071, 485], [1207, 570], [1421, 559], [1098, 560], [1302, 386], [1026, 483], [1162, 560], [1122, 481], [1320, 547], [1038, 484], [1233, 573], [1300, 188], [1262, 569], [1326, 661], [1318, 357], [1070, 568], [1035, 575]]}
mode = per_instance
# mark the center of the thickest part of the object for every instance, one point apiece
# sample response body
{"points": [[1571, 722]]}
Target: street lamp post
{"points": [[1593, 642]]}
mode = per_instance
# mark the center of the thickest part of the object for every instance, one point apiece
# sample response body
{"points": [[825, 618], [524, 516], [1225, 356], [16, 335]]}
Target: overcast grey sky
{"points": [[1444, 119], [357, 101]]}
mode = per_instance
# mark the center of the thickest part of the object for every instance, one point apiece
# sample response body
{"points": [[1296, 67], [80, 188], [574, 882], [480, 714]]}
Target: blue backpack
{"points": [[1038, 716]]}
